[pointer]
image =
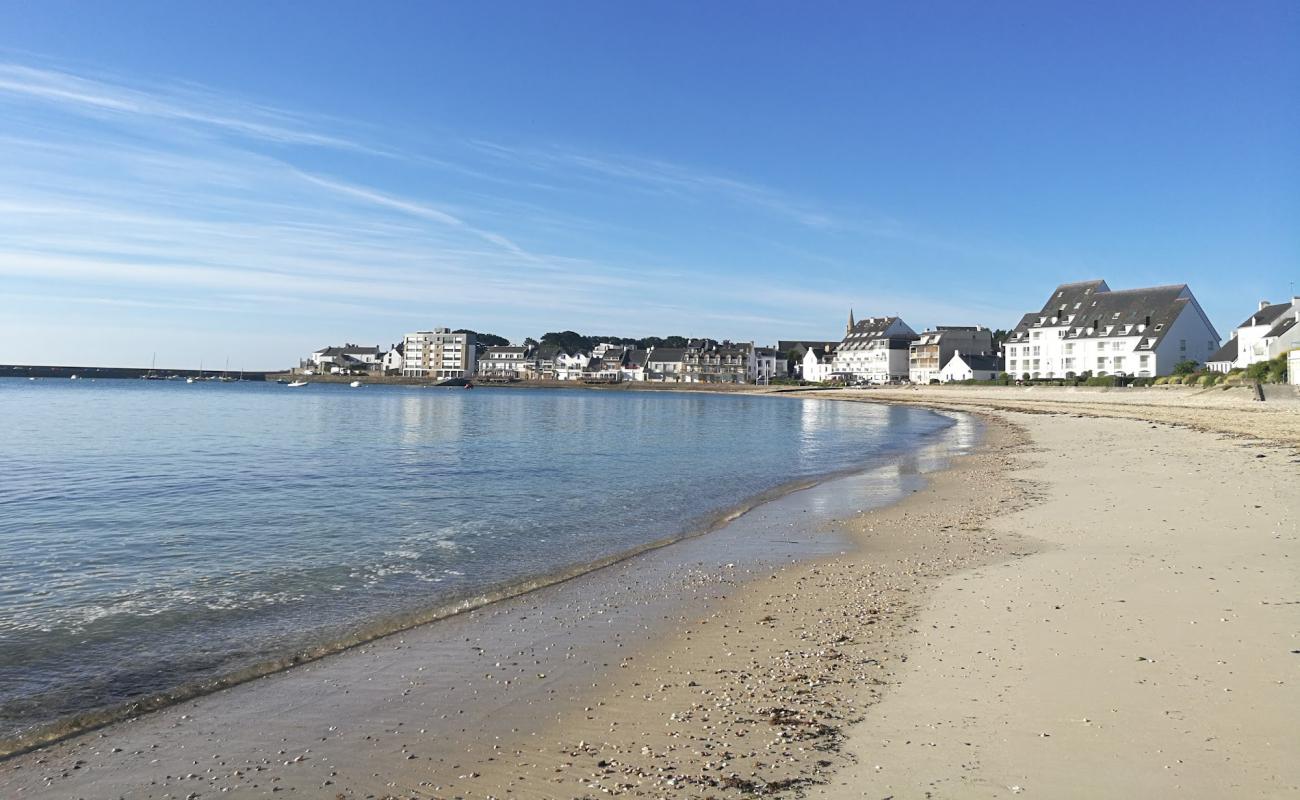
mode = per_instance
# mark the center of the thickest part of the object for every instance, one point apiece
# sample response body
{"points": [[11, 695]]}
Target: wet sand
{"points": [[1091, 604], [408, 715]]}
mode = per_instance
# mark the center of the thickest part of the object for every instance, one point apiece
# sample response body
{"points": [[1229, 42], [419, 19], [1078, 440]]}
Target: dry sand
{"points": [[1091, 605]]}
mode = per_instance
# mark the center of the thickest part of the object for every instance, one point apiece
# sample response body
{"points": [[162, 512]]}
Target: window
{"points": [[1069, 347], [1037, 334], [1101, 362], [1116, 345], [1036, 349], [1182, 345], [1144, 360]]}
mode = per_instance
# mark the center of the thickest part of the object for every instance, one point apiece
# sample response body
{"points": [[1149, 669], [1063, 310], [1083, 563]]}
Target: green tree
{"points": [[1185, 367]]}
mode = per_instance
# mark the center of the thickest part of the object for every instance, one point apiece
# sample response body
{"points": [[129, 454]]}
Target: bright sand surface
{"points": [[1091, 605]]}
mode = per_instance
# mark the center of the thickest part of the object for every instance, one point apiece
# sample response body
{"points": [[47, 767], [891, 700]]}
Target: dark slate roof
{"points": [[636, 357], [666, 354], [548, 352], [1067, 295], [872, 325], [348, 348], [1148, 312], [1265, 315], [1226, 353], [802, 346], [1283, 325], [866, 331], [980, 362]]}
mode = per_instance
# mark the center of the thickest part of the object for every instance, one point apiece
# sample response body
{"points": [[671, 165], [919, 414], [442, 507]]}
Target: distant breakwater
{"points": [[48, 371]]}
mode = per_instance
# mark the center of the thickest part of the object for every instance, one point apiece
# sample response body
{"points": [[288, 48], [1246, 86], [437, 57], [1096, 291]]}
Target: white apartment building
{"points": [[347, 358], [874, 350], [1272, 330], [927, 356], [1086, 327], [439, 354]]}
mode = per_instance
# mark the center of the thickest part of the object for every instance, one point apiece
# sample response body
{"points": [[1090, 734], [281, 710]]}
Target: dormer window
{"points": [[1159, 325]]}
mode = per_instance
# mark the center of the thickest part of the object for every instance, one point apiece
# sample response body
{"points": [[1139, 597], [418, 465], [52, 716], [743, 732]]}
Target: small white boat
{"points": [[355, 384], [296, 384], [189, 380], [72, 377]]}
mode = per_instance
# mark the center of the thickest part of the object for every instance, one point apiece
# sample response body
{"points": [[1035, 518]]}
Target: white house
{"points": [[571, 366], [665, 364], [974, 366], [439, 354], [818, 364], [393, 360], [1086, 327], [348, 358], [874, 350], [1268, 333], [1293, 367], [927, 356], [505, 363]]}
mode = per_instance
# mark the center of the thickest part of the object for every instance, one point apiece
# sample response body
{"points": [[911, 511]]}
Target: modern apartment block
{"points": [[439, 354], [1086, 327], [927, 356]]}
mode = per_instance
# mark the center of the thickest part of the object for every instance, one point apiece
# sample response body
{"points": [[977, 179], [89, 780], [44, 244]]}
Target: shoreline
{"points": [[91, 721], [991, 634], [940, 442]]}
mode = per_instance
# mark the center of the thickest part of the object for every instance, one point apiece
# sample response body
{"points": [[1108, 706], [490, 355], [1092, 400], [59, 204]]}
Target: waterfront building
{"points": [[571, 366], [665, 364], [768, 364], [972, 366], [634, 364], [927, 356], [505, 363], [439, 354], [346, 359], [393, 360], [874, 350], [1087, 328], [818, 364], [707, 361], [1266, 334]]}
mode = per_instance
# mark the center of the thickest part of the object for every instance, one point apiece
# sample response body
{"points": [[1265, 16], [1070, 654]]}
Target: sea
{"points": [[160, 539]]}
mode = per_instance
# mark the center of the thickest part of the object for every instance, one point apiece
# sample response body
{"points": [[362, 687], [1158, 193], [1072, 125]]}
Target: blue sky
{"points": [[251, 180]]}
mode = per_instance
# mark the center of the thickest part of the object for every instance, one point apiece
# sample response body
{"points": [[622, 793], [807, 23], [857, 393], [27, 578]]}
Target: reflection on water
{"points": [[153, 534]]}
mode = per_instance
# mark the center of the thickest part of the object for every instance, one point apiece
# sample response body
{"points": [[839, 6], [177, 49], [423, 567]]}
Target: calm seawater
{"points": [[156, 535]]}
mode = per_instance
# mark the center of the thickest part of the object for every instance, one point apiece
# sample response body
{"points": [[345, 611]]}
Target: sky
{"points": [[250, 181]]}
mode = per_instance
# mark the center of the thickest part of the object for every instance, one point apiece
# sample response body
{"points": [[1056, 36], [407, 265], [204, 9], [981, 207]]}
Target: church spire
{"points": [[850, 320]]}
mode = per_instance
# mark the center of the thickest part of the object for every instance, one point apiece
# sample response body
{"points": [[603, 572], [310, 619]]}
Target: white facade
{"points": [[1293, 367], [767, 365], [977, 367], [1087, 328], [818, 365], [1271, 331], [347, 358], [874, 350], [505, 363], [439, 354], [393, 360], [927, 356]]}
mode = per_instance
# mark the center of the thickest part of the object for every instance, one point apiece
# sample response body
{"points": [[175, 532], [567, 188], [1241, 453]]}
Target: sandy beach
{"points": [[1100, 601]]}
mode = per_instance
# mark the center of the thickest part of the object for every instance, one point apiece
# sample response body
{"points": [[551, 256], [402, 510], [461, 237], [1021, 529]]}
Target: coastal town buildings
{"points": [[974, 366], [345, 359], [439, 354], [927, 356], [874, 350], [818, 363], [768, 364], [707, 361], [1087, 328], [505, 363], [1273, 329], [393, 360], [666, 364]]}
